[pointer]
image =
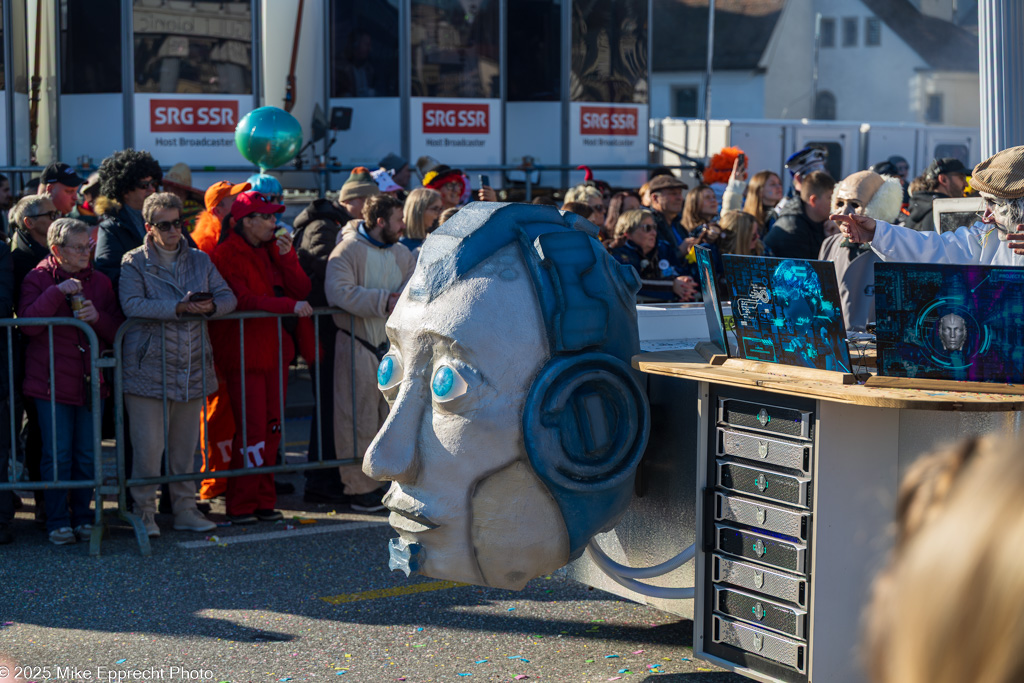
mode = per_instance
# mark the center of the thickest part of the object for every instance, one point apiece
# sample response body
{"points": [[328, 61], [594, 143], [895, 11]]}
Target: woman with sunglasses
{"points": [[264, 272], [126, 178], [64, 285], [654, 260], [174, 287]]}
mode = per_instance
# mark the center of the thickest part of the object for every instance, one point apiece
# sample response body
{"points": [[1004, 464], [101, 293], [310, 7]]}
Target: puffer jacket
{"points": [[40, 298], [148, 290], [316, 233]]}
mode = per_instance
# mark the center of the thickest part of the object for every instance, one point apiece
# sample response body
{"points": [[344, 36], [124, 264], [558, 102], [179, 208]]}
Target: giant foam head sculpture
{"points": [[516, 421]]}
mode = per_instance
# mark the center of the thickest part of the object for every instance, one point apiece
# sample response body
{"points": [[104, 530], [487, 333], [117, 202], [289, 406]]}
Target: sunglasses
{"points": [[646, 228], [52, 215], [146, 184], [167, 226]]}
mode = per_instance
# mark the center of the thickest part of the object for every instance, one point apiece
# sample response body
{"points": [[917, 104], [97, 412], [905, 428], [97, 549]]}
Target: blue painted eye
{"points": [[384, 371], [389, 373], [444, 380], [447, 384]]}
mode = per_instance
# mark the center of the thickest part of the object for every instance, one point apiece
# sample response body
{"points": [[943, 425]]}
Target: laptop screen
{"points": [[716, 324], [959, 322], [787, 311]]}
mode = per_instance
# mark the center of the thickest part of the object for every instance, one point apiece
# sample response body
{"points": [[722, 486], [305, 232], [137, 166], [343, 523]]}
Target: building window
{"points": [[873, 32], [825, 106], [194, 47], [83, 26], [684, 102], [850, 32], [827, 33], [363, 48], [534, 51], [933, 112], [455, 48]]}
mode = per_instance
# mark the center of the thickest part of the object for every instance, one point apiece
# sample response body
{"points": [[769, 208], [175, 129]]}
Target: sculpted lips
{"points": [[405, 514]]}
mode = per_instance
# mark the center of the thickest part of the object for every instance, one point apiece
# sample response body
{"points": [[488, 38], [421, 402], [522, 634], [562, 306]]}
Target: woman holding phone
{"points": [[174, 287]]}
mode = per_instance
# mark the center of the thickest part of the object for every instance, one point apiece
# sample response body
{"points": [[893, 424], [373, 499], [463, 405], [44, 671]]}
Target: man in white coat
{"points": [[998, 239]]}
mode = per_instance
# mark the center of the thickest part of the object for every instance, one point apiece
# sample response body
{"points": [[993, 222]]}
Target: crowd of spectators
{"points": [[112, 246]]}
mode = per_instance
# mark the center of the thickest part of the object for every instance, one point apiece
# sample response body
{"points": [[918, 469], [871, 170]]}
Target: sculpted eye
{"points": [[389, 373], [447, 384]]}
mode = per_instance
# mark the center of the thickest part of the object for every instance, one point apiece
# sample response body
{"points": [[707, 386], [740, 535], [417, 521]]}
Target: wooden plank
{"points": [[711, 352], [791, 371], [944, 385], [688, 364]]}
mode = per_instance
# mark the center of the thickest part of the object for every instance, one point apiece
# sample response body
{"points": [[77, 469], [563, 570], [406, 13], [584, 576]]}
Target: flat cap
{"points": [[1002, 174], [665, 182]]}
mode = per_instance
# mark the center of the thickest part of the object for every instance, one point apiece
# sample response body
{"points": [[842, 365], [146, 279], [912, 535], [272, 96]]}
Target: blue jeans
{"points": [[74, 460]]}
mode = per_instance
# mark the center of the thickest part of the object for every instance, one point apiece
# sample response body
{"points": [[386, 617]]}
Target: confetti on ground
{"points": [[625, 671], [121, 661], [615, 678], [521, 677], [465, 674], [511, 609], [638, 652], [611, 656], [590, 661], [340, 673], [481, 661]]}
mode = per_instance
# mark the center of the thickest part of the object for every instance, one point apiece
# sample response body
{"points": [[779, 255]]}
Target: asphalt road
{"points": [[309, 599]]}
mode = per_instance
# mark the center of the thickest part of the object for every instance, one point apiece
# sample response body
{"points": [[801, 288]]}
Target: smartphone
{"points": [[485, 181], [201, 296], [743, 160]]}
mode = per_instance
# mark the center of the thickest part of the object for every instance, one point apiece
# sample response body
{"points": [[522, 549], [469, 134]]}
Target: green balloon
{"points": [[268, 137]]}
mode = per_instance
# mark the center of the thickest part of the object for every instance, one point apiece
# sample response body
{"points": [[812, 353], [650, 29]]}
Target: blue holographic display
{"points": [[787, 311]]}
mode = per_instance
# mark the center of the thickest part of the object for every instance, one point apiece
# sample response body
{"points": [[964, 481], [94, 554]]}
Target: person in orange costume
{"points": [[218, 427]]}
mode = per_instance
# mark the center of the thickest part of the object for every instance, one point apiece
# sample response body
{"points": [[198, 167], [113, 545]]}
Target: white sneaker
{"points": [[62, 536], [192, 520], [149, 521], [83, 532]]}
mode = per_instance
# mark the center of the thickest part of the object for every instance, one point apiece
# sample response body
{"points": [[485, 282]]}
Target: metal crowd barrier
{"points": [[124, 483], [96, 365]]}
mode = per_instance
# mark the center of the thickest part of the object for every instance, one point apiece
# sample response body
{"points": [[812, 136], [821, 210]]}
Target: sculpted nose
{"points": [[392, 454]]}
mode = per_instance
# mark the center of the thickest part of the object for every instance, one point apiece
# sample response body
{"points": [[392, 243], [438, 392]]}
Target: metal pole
{"points": [[1001, 76], [707, 75], [814, 71]]}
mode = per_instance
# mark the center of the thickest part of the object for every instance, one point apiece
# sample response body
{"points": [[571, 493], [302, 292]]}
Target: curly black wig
{"points": [[122, 171]]}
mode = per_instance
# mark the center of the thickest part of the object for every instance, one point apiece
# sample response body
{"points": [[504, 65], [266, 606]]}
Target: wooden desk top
{"points": [[688, 364]]}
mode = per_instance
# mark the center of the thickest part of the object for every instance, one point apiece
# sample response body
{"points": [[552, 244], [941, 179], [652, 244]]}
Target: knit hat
{"points": [[1002, 174], [384, 181], [359, 184], [425, 164], [441, 176]]}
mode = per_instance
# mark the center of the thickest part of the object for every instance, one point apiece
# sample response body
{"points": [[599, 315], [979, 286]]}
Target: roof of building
{"points": [[943, 45], [742, 31]]}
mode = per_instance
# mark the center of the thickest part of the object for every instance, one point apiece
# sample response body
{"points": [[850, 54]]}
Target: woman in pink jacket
{"points": [[66, 276]]}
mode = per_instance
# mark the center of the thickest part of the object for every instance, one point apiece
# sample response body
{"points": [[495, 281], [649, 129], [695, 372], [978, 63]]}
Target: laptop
{"points": [[952, 322], [708, 290], [787, 311]]}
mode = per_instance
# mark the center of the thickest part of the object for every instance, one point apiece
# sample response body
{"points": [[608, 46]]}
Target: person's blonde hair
{"points": [[628, 222], [581, 193], [948, 607], [753, 204], [415, 205], [737, 229]]}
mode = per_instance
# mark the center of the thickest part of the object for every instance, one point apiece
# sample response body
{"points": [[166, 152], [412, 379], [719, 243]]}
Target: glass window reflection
{"points": [[364, 48], [84, 25], [534, 50], [609, 51], [455, 48], [193, 46]]}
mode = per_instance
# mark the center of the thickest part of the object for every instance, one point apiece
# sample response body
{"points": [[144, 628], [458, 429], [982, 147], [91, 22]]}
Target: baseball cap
{"points": [[665, 182], [946, 165], [219, 190], [253, 202], [60, 173]]}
